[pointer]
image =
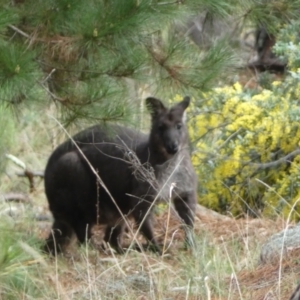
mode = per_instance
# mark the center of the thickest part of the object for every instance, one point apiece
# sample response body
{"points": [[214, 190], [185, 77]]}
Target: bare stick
{"points": [[278, 162], [168, 219], [17, 197], [27, 173], [19, 31]]}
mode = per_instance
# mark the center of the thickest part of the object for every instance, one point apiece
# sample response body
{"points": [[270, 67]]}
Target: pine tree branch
{"points": [[173, 2], [113, 73], [173, 71], [53, 96], [53, 40], [30, 176]]}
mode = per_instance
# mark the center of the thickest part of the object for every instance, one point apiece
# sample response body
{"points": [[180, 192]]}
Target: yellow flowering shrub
{"points": [[246, 148]]}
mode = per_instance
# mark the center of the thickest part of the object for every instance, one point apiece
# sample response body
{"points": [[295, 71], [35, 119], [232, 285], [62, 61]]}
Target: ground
{"points": [[224, 265]]}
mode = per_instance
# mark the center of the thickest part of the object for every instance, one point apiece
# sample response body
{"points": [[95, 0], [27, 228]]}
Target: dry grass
{"points": [[223, 265]]}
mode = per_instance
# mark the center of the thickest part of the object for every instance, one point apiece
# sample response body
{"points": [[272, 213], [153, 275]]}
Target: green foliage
{"points": [[60, 47], [7, 16], [18, 73], [99, 44], [15, 264]]}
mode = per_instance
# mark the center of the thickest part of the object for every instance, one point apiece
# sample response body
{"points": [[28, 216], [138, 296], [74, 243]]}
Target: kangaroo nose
{"points": [[172, 148]]}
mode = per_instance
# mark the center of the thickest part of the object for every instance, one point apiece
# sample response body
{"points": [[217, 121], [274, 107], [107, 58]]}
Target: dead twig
{"points": [[26, 173], [276, 163], [31, 174], [19, 31], [16, 197]]}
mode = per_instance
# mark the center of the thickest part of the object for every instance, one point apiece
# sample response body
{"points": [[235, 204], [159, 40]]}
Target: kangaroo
{"points": [[135, 168], [296, 293]]}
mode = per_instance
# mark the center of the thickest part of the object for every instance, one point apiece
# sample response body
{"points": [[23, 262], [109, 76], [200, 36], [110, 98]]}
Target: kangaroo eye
{"points": [[178, 126]]}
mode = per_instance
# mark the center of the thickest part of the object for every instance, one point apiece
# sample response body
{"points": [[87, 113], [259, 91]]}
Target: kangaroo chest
{"points": [[174, 178]]}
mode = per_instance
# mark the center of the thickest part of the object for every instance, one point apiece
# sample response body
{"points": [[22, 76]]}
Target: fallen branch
{"points": [[274, 65], [276, 163], [19, 31], [27, 173], [15, 197], [31, 174]]}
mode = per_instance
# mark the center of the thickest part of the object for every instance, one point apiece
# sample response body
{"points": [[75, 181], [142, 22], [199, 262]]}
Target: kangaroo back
{"points": [[132, 167]]}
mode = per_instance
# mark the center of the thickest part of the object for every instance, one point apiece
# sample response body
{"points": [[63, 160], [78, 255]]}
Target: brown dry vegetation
{"points": [[236, 241]]}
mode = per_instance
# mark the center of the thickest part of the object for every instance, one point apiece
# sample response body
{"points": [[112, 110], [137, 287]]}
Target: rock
{"points": [[140, 282], [282, 242], [203, 212]]}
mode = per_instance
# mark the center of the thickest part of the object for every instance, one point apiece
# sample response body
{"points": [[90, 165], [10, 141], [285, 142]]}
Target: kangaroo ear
{"points": [[182, 106], [185, 102], [155, 106]]}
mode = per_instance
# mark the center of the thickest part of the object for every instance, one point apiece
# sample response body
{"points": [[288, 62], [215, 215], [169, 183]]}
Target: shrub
{"points": [[246, 143]]}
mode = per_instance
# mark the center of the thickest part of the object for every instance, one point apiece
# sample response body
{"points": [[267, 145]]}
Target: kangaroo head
{"points": [[168, 131]]}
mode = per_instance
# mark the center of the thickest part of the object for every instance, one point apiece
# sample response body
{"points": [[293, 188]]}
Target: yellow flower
{"points": [[177, 98], [264, 95], [237, 86], [276, 83]]}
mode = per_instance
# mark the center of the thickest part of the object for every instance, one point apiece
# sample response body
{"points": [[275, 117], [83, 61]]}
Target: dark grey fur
{"points": [[134, 167], [296, 293]]}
